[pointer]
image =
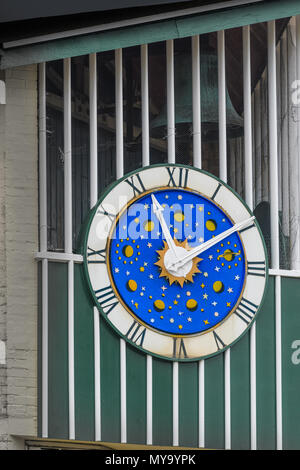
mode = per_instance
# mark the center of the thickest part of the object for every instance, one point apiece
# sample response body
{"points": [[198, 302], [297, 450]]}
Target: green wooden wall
{"points": [[136, 369]]}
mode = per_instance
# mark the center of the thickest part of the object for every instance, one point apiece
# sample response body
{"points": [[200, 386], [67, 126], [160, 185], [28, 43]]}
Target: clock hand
{"points": [[204, 246], [158, 210]]}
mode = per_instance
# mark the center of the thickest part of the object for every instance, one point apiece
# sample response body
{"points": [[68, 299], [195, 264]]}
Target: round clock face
{"points": [[176, 262]]}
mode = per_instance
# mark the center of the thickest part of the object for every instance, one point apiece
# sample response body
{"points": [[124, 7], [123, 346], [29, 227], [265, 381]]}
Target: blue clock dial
{"points": [[189, 301]]}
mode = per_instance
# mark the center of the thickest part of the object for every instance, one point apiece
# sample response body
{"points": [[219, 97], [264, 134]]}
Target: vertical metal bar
{"points": [[43, 241], [249, 201], [93, 201], [175, 404], [293, 149], [145, 105], [146, 162], [170, 101], [119, 173], [68, 237], [223, 176], [272, 108], [201, 367], [197, 158], [222, 106]]}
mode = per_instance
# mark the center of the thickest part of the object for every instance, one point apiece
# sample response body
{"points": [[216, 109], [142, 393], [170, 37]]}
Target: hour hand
{"points": [[158, 211]]}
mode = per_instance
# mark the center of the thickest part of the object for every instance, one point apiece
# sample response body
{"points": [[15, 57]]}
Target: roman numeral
{"points": [[257, 268], [133, 181], [106, 299], [216, 191], [182, 173], [246, 310], [218, 341], [100, 253], [179, 351], [136, 333], [103, 211]]}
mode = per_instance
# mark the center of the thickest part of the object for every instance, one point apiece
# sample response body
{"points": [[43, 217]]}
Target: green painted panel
{"points": [[265, 371], [162, 372], [188, 404], [58, 391], [290, 296], [110, 384], [214, 402], [83, 359], [240, 393], [153, 32], [136, 382]]}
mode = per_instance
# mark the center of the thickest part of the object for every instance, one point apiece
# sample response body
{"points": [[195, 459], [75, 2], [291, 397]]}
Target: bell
{"points": [[209, 101]]}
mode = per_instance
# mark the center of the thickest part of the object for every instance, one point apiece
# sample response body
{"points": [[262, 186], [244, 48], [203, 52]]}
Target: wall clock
{"points": [[175, 262]]}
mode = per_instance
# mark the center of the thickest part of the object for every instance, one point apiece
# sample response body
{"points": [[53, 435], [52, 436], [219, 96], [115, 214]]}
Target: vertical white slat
{"points": [[264, 138], [272, 109], [296, 165], [279, 128], [258, 148], [223, 176], [197, 157], [145, 105], [222, 107], [68, 237], [149, 437], [201, 366], [43, 240], [170, 101], [284, 135], [119, 173], [119, 112], [175, 403], [93, 201], [146, 162], [249, 201]]}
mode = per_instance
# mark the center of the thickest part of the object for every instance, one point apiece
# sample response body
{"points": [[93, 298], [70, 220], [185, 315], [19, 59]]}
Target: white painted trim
{"points": [[45, 348], [125, 23], [97, 374], [149, 438], [58, 256], [222, 106], [170, 101], [71, 349], [284, 273], [253, 410], [175, 403], [67, 156], [227, 399], [278, 363], [145, 105], [123, 391], [119, 112], [42, 157]]}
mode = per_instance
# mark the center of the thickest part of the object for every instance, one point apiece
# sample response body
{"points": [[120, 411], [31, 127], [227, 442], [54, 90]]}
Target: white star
{"points": [[205, 274], [124, 227], [149, 245], [237, 278], [116, 270], [217, 268], [146, 206], [158, 234], [142, 293], [189, 319], [151, 276], [180, 313], [216, 314], [179, 197], [192, 206], [210, 257], [205, 296], [145, 264], [143, 288], [214, 303], [171, 320], [164, 288], [229, 290], [127, 273], [152, 320], [201, 239]]}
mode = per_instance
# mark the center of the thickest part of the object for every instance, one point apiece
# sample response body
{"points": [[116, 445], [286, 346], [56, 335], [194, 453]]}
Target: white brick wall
{"points": [[18, 243]]}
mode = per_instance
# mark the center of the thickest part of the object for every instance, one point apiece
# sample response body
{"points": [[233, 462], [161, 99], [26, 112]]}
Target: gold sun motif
{"points": [[170, 277]]}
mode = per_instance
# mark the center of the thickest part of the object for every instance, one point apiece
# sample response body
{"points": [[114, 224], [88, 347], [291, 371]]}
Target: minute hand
{"points": [[204, 246]]}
